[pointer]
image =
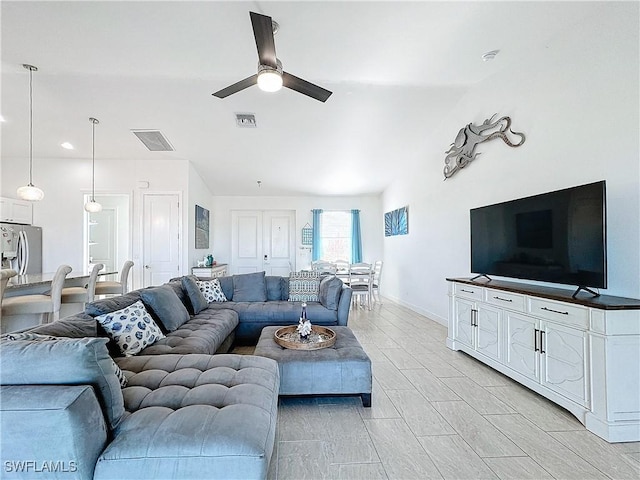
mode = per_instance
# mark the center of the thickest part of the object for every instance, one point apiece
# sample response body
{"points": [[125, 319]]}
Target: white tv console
{"points": [[582, 353]]}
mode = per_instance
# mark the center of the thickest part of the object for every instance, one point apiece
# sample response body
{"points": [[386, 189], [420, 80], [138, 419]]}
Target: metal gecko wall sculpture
{"points": [[463, 149]]}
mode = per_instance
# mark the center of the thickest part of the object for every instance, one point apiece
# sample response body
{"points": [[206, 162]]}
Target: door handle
{"points": [[542, 341], [535, 340]]}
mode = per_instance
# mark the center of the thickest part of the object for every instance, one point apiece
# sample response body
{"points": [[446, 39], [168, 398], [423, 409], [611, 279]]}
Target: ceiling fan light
{"points": [[30, 193], [269, 80], [92, 206]]}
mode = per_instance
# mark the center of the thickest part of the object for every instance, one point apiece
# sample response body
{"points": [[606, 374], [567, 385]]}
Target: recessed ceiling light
{"points": [[490, 55], [66, 145]]}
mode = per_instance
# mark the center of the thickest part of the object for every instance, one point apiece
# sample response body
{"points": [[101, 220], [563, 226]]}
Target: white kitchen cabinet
{"points": [[16, 211], [581, 353]]}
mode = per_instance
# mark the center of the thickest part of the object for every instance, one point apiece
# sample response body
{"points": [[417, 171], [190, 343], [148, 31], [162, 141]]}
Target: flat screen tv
{"points": [[557, 237]]}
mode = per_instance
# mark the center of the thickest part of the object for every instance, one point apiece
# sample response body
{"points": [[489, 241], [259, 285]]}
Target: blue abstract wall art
{"points": [[396, 222]]}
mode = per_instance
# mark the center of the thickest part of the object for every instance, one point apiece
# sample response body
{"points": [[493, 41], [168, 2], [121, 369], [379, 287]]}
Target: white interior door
{"points": [[103, 239], [161, 238], [263, 240]]}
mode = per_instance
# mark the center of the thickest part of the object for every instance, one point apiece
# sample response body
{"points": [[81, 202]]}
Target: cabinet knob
{"points": [[147, 267]]}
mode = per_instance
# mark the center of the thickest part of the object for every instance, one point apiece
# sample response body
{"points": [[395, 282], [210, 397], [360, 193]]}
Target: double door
{"points": [[552, 354], [263, 240]]}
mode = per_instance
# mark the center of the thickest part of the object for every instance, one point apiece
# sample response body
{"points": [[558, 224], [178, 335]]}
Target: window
{"points": [[335, 235]]}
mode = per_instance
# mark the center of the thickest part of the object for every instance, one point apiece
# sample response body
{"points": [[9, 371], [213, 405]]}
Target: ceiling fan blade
{"points": [[263, 32], [304, 87], [236, 87]]}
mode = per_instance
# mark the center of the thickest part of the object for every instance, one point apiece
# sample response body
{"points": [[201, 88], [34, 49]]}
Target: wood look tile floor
{"points": [[436, 414]]}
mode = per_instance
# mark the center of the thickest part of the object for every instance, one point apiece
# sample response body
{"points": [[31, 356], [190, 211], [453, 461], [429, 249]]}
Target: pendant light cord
{"points": [[93, 161], [31, 126]]}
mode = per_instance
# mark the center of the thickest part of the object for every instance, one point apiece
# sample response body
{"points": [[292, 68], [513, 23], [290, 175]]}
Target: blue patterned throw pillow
{"points": [[304, 286], [212, 290], [132, 328]]}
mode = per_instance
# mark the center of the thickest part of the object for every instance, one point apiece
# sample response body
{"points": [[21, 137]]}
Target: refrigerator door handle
{"points": [[23, 253], [25, 238]]}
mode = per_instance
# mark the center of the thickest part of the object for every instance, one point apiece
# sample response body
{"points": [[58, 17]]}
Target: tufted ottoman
{"points": [[194, 416], [342, 369]]}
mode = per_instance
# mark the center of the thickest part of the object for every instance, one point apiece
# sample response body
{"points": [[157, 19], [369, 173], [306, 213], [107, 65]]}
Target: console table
{"points": [[218, 270], [582, 353]]}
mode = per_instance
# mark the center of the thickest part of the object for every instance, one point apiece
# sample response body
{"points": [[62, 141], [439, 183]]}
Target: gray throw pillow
{"points": [[166, 306], [249, 287], [65, 361], [330, 291], [198, 302], [111, 304], [274, 287], [76, 326]]}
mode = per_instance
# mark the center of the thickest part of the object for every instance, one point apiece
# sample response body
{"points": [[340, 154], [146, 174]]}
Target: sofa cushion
{"points": [[65, 361], [197, 300], [195, 416], [165, 304], [61, 427], [176, 286], [132, 328], [249, 287], [35, 337], [329, 292], [211, 290], [204, 333], [274, 287], [227, 286], [76, 326], [111, 304], [304, 286]]}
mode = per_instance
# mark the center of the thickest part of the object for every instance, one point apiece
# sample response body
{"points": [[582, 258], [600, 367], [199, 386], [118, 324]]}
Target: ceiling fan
{"points": [[270, 76]]}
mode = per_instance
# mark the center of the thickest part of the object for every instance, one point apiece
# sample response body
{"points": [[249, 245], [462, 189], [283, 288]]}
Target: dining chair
{"points": [[375, 287], [324, 267], [5, 275], [115, 288], [83, 294], [342, 269], [361, 282], [39, 304]]}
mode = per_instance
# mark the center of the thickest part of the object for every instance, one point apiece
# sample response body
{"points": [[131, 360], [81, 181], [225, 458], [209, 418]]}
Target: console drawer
{"points": [[512, 301], [559, 312], [467, 291]]}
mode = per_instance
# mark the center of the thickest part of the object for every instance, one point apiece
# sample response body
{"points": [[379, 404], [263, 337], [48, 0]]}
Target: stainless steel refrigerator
{"points": [[21, 248]]}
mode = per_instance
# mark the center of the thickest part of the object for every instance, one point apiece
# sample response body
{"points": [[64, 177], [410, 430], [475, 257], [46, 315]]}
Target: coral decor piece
{"points": [[463, 149]]}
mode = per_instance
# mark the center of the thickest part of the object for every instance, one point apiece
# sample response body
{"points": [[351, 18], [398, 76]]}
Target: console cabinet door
{"points": [[563, 361], [521, 354], [463, 330], [488, 331]]}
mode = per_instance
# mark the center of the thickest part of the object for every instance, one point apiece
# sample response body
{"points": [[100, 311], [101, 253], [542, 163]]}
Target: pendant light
{"points": [[30, 192], [92, 206]]}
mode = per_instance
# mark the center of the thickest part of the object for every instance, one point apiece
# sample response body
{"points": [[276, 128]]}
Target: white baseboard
{"points": [[421, 311]]}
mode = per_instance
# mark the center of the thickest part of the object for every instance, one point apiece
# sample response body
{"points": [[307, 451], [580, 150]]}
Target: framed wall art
{"points": [[396, 222], [202, 227]]}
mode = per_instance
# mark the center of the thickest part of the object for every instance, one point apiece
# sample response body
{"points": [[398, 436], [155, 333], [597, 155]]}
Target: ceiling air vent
{"points": [[154, 140], [246, 120]]}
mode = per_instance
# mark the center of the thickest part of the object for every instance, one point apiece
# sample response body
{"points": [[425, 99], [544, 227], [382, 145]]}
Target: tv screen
{"points": [[557, 237]]}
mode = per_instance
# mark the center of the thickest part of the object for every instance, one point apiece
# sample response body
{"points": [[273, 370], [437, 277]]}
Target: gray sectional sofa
{"points": [[183, 412]]}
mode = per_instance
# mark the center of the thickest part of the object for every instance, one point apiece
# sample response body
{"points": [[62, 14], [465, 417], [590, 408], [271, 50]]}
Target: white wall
{"points": [[199, 194], [371, 221], [65, 181], [577, 102]]}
